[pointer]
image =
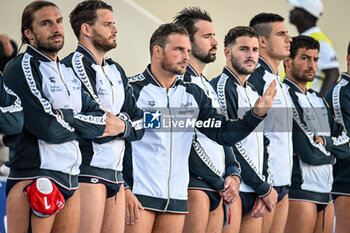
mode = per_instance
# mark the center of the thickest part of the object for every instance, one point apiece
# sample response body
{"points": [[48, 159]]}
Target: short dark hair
{"points": [[261, 23], [306, 42], [160, 35], [28, 16], [349, 49], [189, 16], [239, 31], [85, 12]]}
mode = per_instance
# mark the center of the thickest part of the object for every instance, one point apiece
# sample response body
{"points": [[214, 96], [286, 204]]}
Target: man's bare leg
{"points": [[92, 199], [198, 212], [250, 224], [169, 223], [302, 216], [18, 209], [216, 219], [145, 225], [325, 220], [279, 217], [342, 207], [114, 216], [67, 220], [236, 217]]}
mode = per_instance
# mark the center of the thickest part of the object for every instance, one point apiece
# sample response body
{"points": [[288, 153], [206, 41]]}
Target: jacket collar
{"points": [[233, 76], [293, 85], [38, 54], [88, 54], [265, 65], [345, 76], [152, 79]]}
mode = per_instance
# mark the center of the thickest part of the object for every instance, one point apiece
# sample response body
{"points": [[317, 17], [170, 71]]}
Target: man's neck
{"points": [[303, 27], [300, 84], [242, 77], [165, 78], [197, 65], [99, 55], [274, 63]]}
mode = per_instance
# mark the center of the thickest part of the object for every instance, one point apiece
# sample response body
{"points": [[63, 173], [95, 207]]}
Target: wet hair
{"points": [[161, 34], [188, 17], [86, 12], [28, 16], [262, 23], [234, 33], [306, 42]]}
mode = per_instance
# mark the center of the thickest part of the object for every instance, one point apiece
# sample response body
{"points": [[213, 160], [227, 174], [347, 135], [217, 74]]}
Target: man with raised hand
{"points": [[236, 96]]}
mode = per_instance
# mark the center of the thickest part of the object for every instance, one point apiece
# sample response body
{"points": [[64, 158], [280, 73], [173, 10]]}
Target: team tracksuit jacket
{"points": [[11, 115], [57, 112], [277, 125], [156, 167], [338, 98], [108, 85], [218, 161], [312, 176], [235, 99]]}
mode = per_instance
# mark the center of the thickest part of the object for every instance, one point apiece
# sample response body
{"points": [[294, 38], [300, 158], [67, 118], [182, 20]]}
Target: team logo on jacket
{"points": [[152, 120]]}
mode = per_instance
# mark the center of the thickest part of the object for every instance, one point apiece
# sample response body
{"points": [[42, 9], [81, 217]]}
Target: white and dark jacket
{"points": [[235, 99], [156, 167], [11, 115], [56, 113], [217, 161], [277, 125], [338, 97], [312, 176], [108, 85]]}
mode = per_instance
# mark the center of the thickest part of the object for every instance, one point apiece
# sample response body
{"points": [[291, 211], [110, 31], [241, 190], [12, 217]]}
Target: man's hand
{"points": [[132, 208], [271, 199], [319, 139], [264, 103], [8, 49], [259, 209], [231, 189], [114, 125]]}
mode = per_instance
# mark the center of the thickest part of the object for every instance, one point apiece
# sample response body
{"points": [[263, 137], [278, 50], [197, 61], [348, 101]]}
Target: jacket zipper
{"points": [[71, 170], [171, 148], [110, 85]]}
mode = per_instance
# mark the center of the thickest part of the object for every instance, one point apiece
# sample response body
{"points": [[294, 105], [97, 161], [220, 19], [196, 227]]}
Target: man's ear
{"points": [[262, 42], [287, 62], [157, 51], [85, 30], [227, 52], [29, 34]]}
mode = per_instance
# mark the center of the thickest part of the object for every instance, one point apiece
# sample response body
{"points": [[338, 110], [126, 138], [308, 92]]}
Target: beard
{"points": [[173, 68], [301, 76], [239, 68], [201, 55], [48, 45], [102, 43]]}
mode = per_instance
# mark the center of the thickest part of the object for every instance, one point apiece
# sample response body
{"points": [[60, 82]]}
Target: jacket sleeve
{"points": [[304, 144], [40, 118], [11, 115], [232, 166], [227, 132], [338, 143], [90, 122], [133, 114], [249, 170]]}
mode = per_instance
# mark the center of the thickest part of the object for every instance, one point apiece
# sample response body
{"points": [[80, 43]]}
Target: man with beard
{"points": [[236, 96], [45, 156], [220, 171], [338, 98], [100, 177], [304, 16], [156, 167], [317, 141], [274, 43]]}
